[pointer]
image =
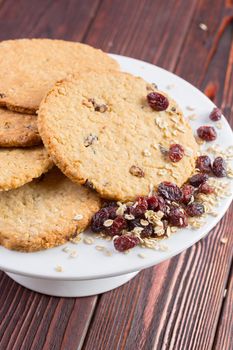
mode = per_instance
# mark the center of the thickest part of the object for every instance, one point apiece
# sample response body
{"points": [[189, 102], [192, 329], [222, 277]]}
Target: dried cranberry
{"points": [[177, 217], [187, 193], [205, 188], [157, 101], [219, 167], [162, 204], [169, 191], [117, 226], [207, 133], [98, 220], [147, 231], [141, 207], [176, 152], [195, 209], [198, 179], [153, 203], [123, 243], [203, 163], [216, 114], [134, 223]]}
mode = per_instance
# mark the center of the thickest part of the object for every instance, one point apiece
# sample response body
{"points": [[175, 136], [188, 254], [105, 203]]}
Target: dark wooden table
{"points": [[186, 302]]}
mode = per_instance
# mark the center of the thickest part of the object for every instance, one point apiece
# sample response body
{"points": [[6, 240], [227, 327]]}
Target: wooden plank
{"points": [[29, 320], [34, 321], [54, 19], [175, 305], [224, 334], [144, 29]]}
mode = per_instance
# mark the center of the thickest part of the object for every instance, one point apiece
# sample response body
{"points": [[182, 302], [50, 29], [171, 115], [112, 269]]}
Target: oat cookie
{"points": [[22, 165], [30, 67], [100, 130], [41, 214], [18, 130]]}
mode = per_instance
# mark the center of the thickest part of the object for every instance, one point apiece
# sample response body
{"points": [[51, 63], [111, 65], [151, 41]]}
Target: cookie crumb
{"points": [[59, 268]]}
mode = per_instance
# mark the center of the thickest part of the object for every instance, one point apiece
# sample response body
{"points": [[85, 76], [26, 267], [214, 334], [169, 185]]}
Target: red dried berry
{"points": [[216, 114], [141, 207], [219, 167], [153, 203], [205, 188], [195, 209], [117, 226], [161, 205], [170, 191], [176, 152], [134, 223], [98, 220], [198, 179], [147, 231], [157, 101], [203, 163], [177, 217], [187, 193], [123, 243], [207, 133]]}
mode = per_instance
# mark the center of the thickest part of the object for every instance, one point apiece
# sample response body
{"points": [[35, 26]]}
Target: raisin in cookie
{"points": [[100, 130], [18, 130], [22, 165], [42, 214], [30, 67]]}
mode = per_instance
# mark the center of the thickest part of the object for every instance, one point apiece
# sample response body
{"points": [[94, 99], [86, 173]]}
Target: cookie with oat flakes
{"points": [[100, 129], [30, 67], [40, 214], [22, 165], [18, 130]]}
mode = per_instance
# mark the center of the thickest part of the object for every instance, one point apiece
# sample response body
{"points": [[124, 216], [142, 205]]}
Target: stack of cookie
{"points": [[38, 214], [96, 127]]}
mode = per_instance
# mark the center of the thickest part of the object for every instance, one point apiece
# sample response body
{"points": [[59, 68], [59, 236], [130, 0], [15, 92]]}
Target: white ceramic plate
{"points": [[93, 264]]}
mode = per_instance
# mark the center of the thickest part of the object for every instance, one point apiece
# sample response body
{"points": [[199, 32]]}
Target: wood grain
{"points": [[224, 334], [54, 19], [144, 29]]}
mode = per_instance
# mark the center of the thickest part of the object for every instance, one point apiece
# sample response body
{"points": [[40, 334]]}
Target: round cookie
{"points": [[30, 67], [45, 213], [22, 165], [18, 130], [100, 130]]}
